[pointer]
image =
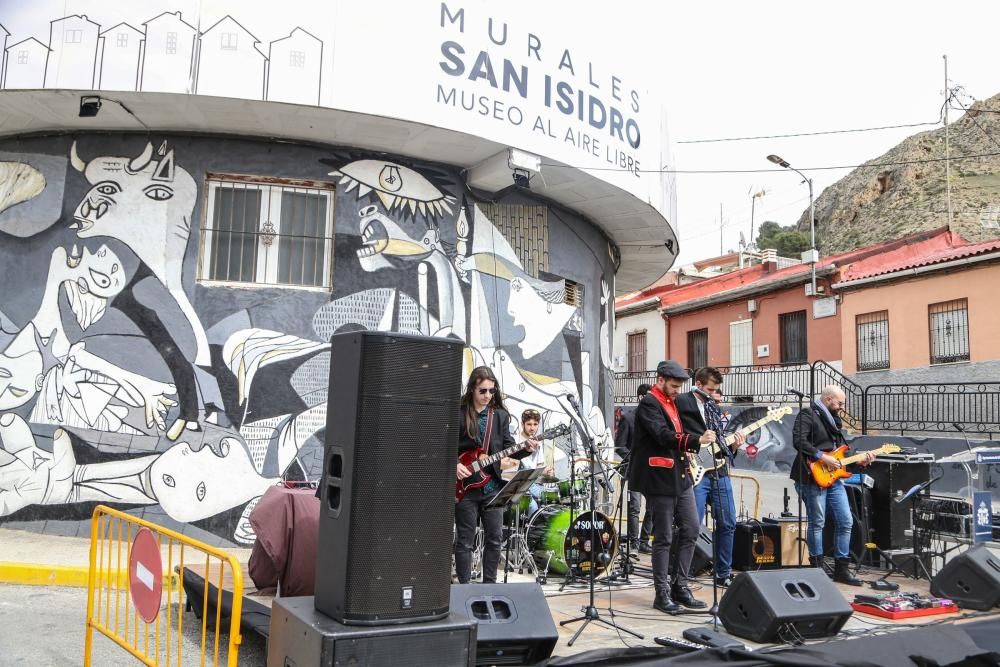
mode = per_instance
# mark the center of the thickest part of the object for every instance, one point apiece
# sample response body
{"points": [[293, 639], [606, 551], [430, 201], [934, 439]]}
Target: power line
{"points": [[976, 122], [898, 163], [810, 134]]}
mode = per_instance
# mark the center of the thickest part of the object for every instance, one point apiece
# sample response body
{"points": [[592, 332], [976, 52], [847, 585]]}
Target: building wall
{"points": [[907, 302], [648, 321], [128, 379], [822, 335]]}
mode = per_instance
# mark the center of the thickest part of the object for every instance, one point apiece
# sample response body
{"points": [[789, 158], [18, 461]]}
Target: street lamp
{"points": [[813, 255], [753, 204]]}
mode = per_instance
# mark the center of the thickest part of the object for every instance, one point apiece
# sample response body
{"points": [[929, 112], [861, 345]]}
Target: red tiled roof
{"points": [[938, 249]]}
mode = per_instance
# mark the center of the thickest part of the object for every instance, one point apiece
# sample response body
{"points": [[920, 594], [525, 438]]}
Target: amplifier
{"points": [[944, 514], [789, 538], [756, 546]]}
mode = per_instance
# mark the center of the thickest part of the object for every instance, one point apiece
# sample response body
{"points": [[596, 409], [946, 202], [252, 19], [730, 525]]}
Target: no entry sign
{"points": [[145, 575]]}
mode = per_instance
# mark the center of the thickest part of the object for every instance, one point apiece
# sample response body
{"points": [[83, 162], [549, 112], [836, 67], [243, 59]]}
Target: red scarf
{"points": [[669, 407]]}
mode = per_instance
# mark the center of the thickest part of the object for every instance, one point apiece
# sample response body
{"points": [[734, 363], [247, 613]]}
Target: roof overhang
{"points": [[916, 271], [651, 303], [748, 291], [643, 236]]}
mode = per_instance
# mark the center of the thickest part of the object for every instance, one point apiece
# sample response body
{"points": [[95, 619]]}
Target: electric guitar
{"points": [[711, 456], [478, 460], [824, 477]]}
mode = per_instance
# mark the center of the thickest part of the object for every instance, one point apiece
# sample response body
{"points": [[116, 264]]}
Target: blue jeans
{"points": [[724, 511], [534, 492], [818, 502]]}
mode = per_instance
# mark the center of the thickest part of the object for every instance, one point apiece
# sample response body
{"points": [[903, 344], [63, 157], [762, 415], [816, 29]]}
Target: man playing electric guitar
{"points": [[700, 413], [483, 424]]}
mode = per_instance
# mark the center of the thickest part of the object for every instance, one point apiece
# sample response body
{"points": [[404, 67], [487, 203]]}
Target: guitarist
{"points": [[816, 433], [483, 423], [659, 471], [700, 412]]}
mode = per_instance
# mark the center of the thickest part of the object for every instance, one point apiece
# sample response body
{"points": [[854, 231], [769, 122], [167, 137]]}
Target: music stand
{"points": [[511, 493]]}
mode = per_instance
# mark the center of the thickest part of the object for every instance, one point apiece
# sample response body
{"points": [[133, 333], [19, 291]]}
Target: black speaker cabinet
{"points": [[701, 561], [862, 514], [756, 546], [387, 493], [776, 604], [515, 626], [892, 480], [971, 579], [301, 636]]}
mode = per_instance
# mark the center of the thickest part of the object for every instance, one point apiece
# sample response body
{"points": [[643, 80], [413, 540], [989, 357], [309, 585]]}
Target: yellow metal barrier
{"points": [[120, 621], [756, 497]]}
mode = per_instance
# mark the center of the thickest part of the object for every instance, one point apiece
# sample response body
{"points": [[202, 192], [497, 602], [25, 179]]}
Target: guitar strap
{"points": [[489, 431]]}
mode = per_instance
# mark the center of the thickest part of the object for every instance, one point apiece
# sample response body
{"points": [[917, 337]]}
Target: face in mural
{"points": [[539, 312], [385, 239], [20, 371]]}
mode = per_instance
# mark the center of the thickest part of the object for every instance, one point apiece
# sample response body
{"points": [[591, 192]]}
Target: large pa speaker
{"points": [[515, 626], [301, 636], [387, 493], [971, 579], [778, 604], [892, 480]]}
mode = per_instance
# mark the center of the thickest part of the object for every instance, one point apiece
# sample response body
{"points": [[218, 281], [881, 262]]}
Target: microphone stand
{"points": [[800, 538], [590, 613]]}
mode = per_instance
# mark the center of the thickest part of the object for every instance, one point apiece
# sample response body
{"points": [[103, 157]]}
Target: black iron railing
{"points": [[932, 407]]}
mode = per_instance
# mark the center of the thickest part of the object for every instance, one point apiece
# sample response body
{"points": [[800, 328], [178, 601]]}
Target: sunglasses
{"points": [[484, 391]]}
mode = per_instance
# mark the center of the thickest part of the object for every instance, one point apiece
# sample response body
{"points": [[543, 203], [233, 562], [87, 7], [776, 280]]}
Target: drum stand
{"points": [[510, 494], [522, 554], [590, 613], [625, 566]]}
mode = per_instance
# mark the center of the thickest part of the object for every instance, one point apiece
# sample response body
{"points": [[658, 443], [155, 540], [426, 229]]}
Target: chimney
{"points": [[769, 258]]}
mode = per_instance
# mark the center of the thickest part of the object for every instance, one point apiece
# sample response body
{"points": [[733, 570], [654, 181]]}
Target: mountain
{"points": [[876, 203]]}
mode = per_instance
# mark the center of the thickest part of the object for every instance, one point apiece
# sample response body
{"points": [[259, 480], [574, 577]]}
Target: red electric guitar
{"points": [[477, 460]]}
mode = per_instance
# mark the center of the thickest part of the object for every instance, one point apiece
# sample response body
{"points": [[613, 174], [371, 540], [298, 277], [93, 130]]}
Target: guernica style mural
{"points": [[167, 304]]}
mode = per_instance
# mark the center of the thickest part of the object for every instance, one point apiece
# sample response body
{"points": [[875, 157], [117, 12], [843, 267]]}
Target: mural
{"points": [[124, 379]]}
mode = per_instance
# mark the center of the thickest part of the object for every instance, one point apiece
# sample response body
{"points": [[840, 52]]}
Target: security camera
{"points": [[89, 106], [522, 178]]}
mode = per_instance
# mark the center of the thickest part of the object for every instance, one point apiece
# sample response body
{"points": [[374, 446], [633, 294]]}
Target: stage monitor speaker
{"points": [[971, 579], [515, 626], [387, 494], [789, 539], [701, 560], [302, 636], [892, 480], [756, 546], [783, 604]]}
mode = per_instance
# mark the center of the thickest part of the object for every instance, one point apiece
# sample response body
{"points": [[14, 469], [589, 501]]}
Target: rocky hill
{"points": [[876, 203]]}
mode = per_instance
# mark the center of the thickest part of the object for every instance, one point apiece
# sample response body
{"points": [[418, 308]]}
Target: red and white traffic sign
{"points": [[145, 575]]}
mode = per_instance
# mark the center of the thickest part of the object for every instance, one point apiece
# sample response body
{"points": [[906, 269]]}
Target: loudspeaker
{"points": [[971, 579], [387, 494], [799, 602], [756, 546], [301, 636], [515, 626], [860, 500], [892, 480], [701, 560], [789, 539]]}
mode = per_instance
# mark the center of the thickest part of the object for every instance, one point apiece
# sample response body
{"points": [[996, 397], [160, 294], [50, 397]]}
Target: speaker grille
{"points": [[425, 648]]}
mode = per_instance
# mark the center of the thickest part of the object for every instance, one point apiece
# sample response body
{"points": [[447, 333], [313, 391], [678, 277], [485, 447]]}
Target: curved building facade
{"points": [[190, 206]]}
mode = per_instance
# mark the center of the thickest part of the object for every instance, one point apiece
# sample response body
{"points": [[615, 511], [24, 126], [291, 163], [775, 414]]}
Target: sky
{"points": [[731, 69]]}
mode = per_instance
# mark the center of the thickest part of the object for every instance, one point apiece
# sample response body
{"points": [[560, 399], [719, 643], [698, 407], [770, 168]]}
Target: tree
{"points": [[788, 241], [767, 231]]}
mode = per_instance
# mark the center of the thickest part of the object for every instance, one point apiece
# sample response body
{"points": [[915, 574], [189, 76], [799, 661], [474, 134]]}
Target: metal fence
{"points": [[930, 407]]}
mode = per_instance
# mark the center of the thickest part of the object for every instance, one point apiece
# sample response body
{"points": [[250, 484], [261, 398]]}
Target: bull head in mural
{"points": [[145, 201]]}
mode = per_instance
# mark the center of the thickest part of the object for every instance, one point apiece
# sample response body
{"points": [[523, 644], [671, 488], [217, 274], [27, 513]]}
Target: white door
{"points": [[741, 343]]}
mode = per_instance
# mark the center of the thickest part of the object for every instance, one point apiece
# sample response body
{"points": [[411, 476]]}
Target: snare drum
{"points": [[549, 494], [569, 492], [563, 547]]}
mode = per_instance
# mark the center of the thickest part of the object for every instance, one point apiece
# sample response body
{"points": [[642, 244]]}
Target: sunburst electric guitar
{"points": [[478, 460], [711, 457], [825, 477]]}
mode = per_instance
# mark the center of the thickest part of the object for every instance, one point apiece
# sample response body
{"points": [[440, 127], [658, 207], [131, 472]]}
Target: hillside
{"points": [[876, 203]]}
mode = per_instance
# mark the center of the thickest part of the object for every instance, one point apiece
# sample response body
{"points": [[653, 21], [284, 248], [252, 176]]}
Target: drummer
{"points": [[530, 421]]}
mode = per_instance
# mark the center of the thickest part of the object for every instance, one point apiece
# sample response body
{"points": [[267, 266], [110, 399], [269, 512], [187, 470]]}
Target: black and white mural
{"points": [[167, 305]]}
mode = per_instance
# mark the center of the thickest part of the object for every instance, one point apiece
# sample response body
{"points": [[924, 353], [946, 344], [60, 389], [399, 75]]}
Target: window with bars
{"points": [[873, 340], [637, 352], [697, 349], [267, 233], [793, 337], [949, 331]]}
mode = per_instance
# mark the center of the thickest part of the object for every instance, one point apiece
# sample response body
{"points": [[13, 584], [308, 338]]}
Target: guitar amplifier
{"points": [[757, 546], [789, 538]]}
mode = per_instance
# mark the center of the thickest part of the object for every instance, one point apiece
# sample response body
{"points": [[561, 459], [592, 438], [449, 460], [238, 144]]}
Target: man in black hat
{"points": [[659, 471]]}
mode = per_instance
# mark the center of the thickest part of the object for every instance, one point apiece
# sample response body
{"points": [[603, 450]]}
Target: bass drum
{"points": [[560, 547]]}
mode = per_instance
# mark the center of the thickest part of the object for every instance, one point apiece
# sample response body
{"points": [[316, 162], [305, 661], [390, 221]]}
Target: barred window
{"points": [[697, 349], [574, 293], [873, 340], [273, 233], [637, 352], [794, 349], [949, 331]]}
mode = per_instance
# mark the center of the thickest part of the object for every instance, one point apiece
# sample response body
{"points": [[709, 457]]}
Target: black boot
{"points": [[662, 602], [842, 573], [817, 561], [682, 595]]}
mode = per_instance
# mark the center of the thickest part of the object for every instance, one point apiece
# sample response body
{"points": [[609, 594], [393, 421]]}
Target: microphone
{"points": [[913, 489], [957, 427], [792, 390]]}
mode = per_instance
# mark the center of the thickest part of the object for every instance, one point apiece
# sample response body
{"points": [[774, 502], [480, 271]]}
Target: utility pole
{"points": [[947, 166], [720, 229]]}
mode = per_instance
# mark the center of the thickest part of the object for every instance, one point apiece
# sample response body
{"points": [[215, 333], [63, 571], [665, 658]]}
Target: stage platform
{"points": [[632, 608]]}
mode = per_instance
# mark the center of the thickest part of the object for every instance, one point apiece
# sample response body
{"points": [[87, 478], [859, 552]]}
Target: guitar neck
{"points": [[493, 458], [857, 457]]}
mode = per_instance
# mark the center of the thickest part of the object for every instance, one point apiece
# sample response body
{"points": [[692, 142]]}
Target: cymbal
{"points": [[582, 461]]}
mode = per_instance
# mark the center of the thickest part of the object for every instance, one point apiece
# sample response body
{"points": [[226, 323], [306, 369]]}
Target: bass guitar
{"points": [[825, 477], [711, 456], [479, 460]]}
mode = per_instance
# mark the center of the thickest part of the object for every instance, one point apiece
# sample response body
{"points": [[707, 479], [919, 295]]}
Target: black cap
{"points": [[672, 369]]}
